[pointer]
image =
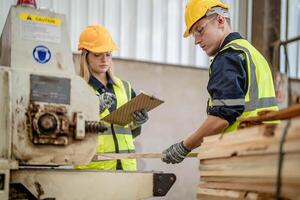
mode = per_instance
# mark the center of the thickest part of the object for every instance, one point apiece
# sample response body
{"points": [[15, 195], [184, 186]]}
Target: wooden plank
{"points": [[211, 197], [259, 147], [293, 133], [215, 194], [257, 181], [238, 135], [220, 193], [266, 185], [250, 142], [249, 180], [260, 131], [253, 166], [286, 191], [247, 197], [283, 114], [114, 156]]}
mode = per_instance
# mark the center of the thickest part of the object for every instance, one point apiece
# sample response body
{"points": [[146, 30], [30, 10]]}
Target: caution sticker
{"points": [[40, 19], [41, 28]]}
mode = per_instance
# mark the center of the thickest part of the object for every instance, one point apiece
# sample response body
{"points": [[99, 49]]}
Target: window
{"points": [[290, 29], [148, 30]]}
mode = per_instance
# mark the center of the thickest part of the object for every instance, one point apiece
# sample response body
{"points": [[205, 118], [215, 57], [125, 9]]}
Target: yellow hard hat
{"points": [[97, 39], [196, 9]]}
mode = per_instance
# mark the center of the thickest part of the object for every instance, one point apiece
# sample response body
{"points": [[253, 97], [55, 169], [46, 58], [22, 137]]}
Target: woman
{"points": [[96, 47]]}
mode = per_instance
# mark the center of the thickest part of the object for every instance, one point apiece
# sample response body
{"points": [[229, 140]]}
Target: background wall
{"points": [[148, 30], [184, 93]]}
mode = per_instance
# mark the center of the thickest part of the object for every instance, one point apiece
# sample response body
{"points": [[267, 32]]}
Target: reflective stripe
{"points": [[122, 151], [128, 92], [253, 90], [254, 102], [118, 130], [228, 102], [261, 103], [117, 139]]}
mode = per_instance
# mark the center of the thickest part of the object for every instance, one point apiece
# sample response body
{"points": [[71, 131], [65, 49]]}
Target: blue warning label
{"points": [[41, 54]]}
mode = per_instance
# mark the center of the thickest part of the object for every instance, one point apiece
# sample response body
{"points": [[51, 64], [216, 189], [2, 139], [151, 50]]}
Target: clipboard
{"points": [[122, 116]]}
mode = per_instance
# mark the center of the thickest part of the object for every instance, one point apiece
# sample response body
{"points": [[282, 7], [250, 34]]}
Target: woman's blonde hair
{"points": [[85, 69]]}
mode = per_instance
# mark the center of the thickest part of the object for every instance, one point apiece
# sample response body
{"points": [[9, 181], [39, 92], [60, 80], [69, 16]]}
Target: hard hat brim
{"points": [[186, 34], [101, 50]]}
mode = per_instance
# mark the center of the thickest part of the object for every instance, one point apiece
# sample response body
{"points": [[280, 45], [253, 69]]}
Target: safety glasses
{"points": [[199, 30]]}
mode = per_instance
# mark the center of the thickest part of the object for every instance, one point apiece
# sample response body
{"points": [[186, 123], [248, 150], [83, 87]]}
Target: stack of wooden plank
{"points": [[244, 165]]}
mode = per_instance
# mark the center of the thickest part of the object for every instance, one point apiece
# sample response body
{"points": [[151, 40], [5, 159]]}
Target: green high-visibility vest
{"points": [[117, 139], [260, 92]]}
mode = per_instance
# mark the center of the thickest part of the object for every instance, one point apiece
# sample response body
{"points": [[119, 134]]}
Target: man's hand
{"points": [[175, 153], [106, 101], [139, 117]]}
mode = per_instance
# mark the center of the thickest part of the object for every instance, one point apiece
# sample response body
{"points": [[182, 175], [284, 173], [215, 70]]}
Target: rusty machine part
{"points": [[51, 125], [95, 127]]}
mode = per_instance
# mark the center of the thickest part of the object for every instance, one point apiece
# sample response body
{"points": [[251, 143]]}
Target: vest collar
{"points": [[231, 37], [95, 83]]}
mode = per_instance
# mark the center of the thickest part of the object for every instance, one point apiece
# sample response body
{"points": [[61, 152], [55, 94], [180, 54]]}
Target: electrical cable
{"points": [[280, 160]]}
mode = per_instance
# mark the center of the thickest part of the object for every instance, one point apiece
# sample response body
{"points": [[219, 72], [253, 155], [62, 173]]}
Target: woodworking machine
{"points": [[49, 119]]}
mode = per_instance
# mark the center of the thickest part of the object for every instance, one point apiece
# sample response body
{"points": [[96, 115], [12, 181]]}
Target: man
{"points": [[240, 81]]}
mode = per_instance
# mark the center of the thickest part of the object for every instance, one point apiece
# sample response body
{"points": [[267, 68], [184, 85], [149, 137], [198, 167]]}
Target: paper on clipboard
{"points": [[122, 116]]}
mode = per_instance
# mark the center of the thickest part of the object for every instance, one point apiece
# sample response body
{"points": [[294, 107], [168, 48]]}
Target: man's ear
{"points": [[221, 20]]}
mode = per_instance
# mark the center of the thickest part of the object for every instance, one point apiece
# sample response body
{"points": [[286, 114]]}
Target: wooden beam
{"points": [[254, 167], [288, 192], [115, 156], [250, 142], [283, 114], [220, 194]]}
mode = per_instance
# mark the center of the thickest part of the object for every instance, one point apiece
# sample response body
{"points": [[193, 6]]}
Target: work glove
{"points": [[106, 101], [175, 153], [139, 117]]}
